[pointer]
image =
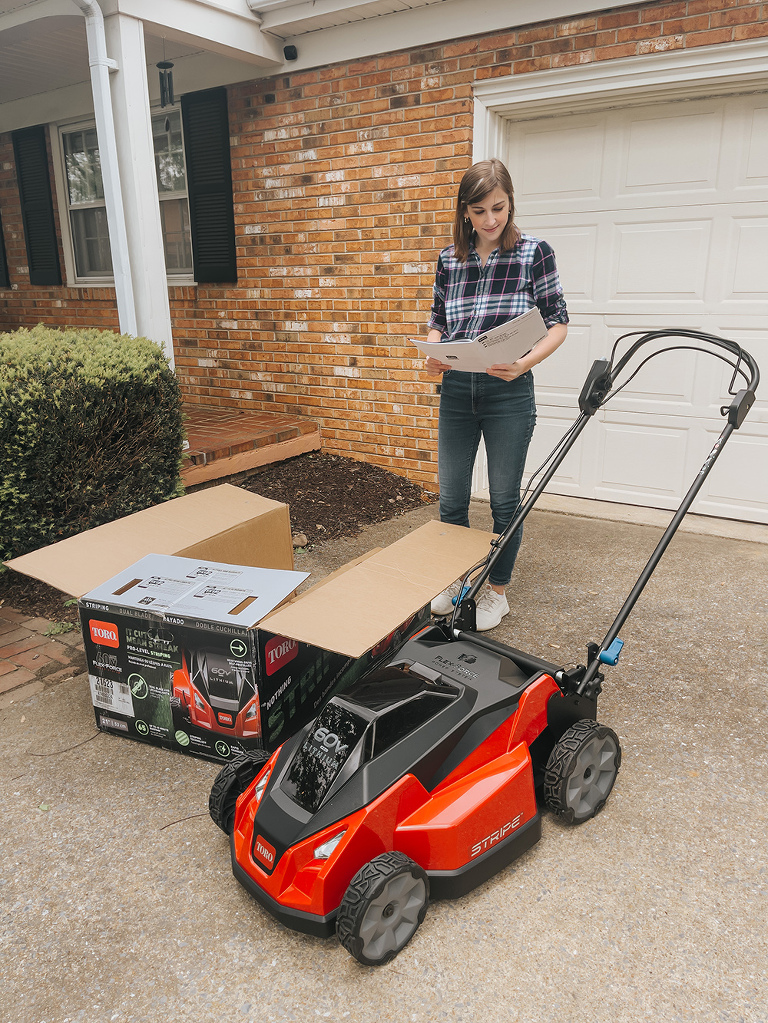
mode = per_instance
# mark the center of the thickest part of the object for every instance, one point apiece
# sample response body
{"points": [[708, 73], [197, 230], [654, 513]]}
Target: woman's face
{"points": [[489, 215]]}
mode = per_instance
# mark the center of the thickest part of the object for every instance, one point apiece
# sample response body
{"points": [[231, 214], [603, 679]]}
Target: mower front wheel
{"points": [[382, 909], [581, 771], [231, 781]]}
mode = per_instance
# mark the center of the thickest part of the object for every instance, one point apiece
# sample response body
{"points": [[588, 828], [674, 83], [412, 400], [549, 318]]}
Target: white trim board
{"points": [[675, 74], [585, 508]]}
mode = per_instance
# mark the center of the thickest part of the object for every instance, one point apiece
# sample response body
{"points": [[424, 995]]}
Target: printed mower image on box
{"points": [[212, 691], [430, 774]]}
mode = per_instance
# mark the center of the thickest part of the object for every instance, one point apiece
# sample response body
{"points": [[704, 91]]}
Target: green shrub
{"points": [[90, 430]]}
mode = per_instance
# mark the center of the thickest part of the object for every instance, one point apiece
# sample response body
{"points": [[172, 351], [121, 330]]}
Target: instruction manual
{"points": [[504, 344]]}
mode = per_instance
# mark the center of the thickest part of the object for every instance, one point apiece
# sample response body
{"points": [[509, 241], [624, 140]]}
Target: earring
{"points": [[466, 220]]}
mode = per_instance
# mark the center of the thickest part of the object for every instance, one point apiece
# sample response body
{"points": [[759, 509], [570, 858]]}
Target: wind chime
{"points": [[165, 67]]}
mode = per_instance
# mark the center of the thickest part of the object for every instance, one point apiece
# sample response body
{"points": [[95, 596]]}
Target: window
{"points": [[85, 197], [194, 183], [172, 190], [87, 214]]}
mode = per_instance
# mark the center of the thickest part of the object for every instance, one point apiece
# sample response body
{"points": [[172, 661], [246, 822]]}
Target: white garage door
{"points": [[659, 217]]}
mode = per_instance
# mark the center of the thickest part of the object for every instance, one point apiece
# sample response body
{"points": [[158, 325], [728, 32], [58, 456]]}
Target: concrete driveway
{"points": [[119, 904]]}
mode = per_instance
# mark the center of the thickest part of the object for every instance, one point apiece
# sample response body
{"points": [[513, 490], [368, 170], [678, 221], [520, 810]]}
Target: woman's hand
{"points": [[508, 371], [540, 351], [434, 367]]}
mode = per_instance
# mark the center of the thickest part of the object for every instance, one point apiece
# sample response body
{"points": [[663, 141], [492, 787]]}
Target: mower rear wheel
{"points": [[383, 907], [231, 781], [581, 771]]}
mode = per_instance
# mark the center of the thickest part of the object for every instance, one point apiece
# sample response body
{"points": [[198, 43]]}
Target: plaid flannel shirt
{"points": [[469, 298]]}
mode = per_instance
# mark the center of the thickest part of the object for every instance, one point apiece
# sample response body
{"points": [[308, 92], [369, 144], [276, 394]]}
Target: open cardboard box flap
{"points": [[358, 607], [223, 523]]}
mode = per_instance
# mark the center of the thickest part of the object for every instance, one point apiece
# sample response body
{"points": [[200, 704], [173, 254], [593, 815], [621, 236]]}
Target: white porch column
{"points": [[100, 65], [133, 127]]}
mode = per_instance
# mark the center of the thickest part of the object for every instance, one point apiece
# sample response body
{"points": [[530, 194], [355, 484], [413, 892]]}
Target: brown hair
{"points": [[477, 183]]}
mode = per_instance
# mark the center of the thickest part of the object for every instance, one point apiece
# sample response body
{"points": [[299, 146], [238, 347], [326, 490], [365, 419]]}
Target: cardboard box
{"points": [[187, 653], [177, 657], [223, 523], [173, 658]]}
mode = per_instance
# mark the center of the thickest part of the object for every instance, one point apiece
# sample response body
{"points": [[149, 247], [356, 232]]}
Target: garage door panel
{"points": [[746, 264], [575, 251], [665, 155], [640, 464], [754, 167], [539, 171], [559, 378], [739, 478], [582, 246], [664, 386], [756, 342], [660, 259], [578, 464]]}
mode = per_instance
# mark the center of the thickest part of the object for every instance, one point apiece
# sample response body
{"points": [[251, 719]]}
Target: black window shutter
{"points": [[37, 205], [5, 280], [209, 185]]}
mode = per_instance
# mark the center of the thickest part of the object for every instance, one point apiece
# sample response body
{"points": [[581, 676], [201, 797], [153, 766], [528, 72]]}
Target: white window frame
{"points": [[64, 207]]}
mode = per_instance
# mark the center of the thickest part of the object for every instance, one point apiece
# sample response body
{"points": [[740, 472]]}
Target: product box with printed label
{"points": [[208, 657], [172, 655], [176, 657]]}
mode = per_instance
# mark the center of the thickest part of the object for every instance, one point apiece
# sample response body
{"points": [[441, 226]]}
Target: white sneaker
{"points": [[443, 604], [491, 608]]}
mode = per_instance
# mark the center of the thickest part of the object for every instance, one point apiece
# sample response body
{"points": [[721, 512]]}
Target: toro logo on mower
{"points": [[264, 851], [104, 633], [279, 651]]}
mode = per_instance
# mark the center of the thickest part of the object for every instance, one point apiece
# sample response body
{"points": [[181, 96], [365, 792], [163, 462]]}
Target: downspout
{"points": [[100, 65]]}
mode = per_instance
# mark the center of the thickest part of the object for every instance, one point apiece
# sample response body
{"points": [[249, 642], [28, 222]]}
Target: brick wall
{"points": [[345, 178], [23, 305]]}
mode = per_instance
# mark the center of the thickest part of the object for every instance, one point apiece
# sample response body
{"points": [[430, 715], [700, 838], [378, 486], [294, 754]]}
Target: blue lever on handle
{"points": [[611, 655]]}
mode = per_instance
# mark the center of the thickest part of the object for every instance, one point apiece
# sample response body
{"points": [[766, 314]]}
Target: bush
{"points": [[90, 430]]}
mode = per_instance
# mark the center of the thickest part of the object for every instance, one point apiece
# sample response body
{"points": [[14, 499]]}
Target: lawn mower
{"points": [[429, 775]]}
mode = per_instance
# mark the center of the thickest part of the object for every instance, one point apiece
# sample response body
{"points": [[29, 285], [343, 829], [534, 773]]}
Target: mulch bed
{"points": [[329, 496]]}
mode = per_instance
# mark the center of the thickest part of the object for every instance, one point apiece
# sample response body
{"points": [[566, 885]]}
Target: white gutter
{"points": [[101, 65]]}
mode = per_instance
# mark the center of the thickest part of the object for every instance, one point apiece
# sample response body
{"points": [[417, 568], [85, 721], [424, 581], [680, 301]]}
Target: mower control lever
{"points": [[739, 407], [611, 655], [596, 387]]}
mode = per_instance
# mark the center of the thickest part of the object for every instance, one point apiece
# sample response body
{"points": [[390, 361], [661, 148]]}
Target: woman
{"points": [[490, 274]]}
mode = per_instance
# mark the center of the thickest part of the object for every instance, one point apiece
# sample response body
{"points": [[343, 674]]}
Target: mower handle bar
{"points": [[595, 393]]}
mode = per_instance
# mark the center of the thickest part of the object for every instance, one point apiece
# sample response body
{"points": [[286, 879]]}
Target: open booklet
{"points": [[503, 344]]}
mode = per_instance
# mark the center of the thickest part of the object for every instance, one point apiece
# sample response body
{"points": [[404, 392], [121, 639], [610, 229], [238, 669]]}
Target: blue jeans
{"points": [[504, 413]]}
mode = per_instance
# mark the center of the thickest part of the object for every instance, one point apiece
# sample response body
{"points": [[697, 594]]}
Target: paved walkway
{"points": [[31, 658]]}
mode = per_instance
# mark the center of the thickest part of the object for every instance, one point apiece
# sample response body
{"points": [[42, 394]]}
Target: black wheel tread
{"points": [[561, 760], [231, 781], [363, 887]]}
